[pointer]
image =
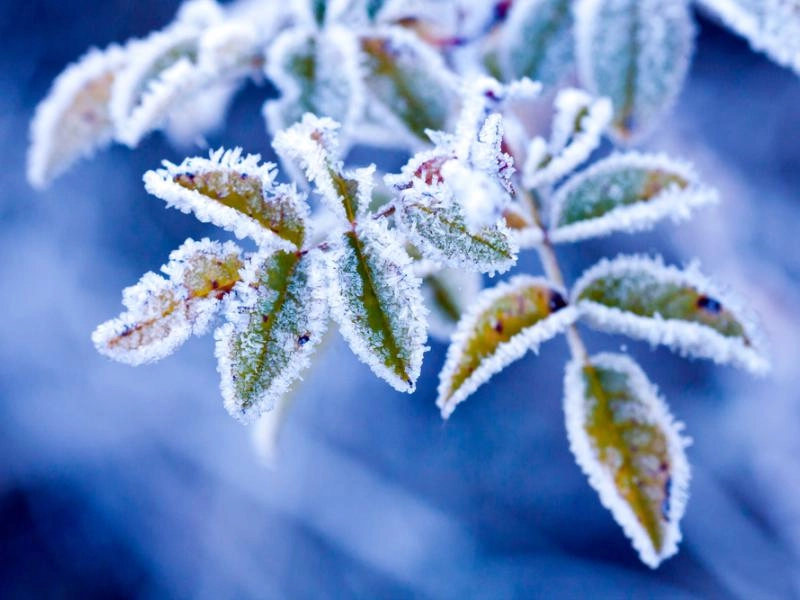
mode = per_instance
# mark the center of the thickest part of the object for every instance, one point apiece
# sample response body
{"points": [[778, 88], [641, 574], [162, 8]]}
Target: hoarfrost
{"points": [[276, 318], [74, 119], [578, 127], [503, 323], [236, 193], [642, 474], [642, 66], [626, 192], [771, 26], [376, 300], [641, 297], [162, 313]]}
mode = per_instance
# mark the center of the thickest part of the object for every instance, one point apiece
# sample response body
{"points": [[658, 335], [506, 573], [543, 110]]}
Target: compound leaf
{"points": [[276, 319], [376, 300], [235, 193], [163, 312], [626, 192], [642, 65], [503, 324], [642, 298], [626, 442]]}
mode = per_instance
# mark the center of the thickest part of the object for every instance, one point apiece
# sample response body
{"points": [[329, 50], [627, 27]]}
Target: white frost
{"points": [[60, 132], [391, 275], [529, 338], [230, 163], [685, 337], [653, 411], [572, 140], [673, 202]]}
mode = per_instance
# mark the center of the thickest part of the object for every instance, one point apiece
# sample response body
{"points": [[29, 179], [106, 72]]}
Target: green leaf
{"points": [[409, 80], [503, 324], [316, 72], [235, 193], [537, 41], [641, 67], [313, 145], [626, 192], [163, 313], [376, 300], [437, 226], [276, 321], [642, 298], [626, 442]]}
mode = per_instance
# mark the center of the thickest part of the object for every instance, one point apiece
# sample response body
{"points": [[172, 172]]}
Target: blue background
{"points": [[121, 482]]}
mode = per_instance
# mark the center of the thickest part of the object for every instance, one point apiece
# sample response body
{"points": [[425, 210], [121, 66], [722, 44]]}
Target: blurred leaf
{"points": [[448, 294], [626, 192], [376, 301], [642, 298], [537, 41], [317, 72], [277, 319], [628, 445], [578, 126], [235, 193], [163, 313], [503, 323], [771, 26], [74, 119], [642, 65], [409, 79]]}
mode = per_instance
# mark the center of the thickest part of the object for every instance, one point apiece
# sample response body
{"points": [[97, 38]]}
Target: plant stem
{"points": [[552, 269]]}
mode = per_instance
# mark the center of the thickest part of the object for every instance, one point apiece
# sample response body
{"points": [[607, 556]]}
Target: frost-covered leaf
{"points": [[170, 67], [448, 293], [409, 80], [235, 193], [641, 297], [74, 119], [317, 72], [163, 70], [313, 144], [771, 26], [626, 192], [276, 319], [503, 324], [635, 52], [163, 312], [626, 442], [376, 300], [578, 126], [432, 213], [537, 42]]}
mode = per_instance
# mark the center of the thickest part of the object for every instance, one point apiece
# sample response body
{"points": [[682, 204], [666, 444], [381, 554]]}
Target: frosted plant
{"points": [[393, 257]]}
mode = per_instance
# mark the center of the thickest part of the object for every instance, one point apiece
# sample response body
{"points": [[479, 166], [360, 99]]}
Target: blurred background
{"points": [[134, 483]]}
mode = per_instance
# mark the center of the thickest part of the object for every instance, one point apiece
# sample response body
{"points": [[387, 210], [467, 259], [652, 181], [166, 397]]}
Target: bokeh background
{"points": [[134, 483]]}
